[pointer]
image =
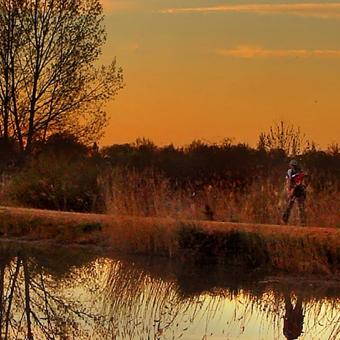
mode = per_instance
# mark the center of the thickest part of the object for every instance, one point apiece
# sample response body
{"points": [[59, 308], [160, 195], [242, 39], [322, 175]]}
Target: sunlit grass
{"points": [[150, 194]]}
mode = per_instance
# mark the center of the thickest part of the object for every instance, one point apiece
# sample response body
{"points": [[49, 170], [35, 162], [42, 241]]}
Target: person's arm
{"points": [[289, 188]]}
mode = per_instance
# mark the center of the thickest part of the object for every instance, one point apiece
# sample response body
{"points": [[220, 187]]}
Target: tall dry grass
{"points": [[150, 194]]}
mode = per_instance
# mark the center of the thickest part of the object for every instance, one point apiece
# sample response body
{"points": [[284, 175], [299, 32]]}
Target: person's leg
{"points": [[288, 210], [302, 211]]}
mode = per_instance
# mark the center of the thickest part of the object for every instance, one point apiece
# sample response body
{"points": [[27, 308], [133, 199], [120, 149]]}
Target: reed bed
{"points": [[148, 194]]}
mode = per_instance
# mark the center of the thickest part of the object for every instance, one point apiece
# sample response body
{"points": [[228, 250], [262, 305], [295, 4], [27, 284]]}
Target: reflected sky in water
{"points": [[73, 294]]}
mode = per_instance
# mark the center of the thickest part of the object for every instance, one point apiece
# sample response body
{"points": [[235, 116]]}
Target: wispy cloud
{"points": [[250, 52], [118, 5], [324, 10]]}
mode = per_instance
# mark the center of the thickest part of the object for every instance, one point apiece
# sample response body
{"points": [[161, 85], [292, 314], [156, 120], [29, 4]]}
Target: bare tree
{"points": [[284, 136], [49, 80], [7, 31]]}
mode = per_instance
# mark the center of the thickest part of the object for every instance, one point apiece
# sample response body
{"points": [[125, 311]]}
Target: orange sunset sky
{"points": [[210, 69]]}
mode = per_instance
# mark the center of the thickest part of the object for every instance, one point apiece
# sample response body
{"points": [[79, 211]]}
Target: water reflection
{"points": [[76, 294], [34, 298], [293, 320]]}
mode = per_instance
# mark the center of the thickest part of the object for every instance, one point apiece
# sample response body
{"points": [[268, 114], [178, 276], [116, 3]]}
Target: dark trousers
{"points": [[300, 199]]}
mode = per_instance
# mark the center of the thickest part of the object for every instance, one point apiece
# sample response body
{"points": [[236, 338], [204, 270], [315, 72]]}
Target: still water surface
{"points": [[53, 293]]}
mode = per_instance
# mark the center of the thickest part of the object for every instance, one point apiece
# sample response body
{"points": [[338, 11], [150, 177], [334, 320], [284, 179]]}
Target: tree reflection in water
{"points": [[67, 295], [35, 304]]}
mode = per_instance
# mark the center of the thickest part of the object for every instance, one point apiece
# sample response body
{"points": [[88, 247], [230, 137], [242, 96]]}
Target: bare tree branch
{"points": [[48, 80]]}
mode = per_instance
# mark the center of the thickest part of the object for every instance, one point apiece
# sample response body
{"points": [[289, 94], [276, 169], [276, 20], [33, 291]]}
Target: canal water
{"points": [[49, 292]]}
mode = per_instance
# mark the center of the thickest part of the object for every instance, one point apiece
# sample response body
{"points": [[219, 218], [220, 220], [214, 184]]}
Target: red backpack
{"points": [[298, 178]]}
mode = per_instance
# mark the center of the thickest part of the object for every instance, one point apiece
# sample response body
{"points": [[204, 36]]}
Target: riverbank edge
{"points": [[289, 249]]}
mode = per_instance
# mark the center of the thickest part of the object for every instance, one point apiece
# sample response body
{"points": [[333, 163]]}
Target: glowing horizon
{"points": [[210, 69]]}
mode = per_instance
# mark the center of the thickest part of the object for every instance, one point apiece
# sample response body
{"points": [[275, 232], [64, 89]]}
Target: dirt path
{"points": [[60, 217]]}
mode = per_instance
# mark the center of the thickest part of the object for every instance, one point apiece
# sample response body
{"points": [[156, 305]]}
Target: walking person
{"points": [[296, 190]]}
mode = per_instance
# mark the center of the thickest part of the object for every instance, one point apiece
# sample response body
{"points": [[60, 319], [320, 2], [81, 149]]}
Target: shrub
{"points": [[61, 176]]}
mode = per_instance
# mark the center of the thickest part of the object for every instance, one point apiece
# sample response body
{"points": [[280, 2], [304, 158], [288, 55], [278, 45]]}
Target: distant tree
{"points": [[145, 144], [284, 136], [334, 149], [64, 146], [48, 79]]}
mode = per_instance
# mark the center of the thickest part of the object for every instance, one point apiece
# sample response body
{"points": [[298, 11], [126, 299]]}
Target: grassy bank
{"points": [[290, 249]]}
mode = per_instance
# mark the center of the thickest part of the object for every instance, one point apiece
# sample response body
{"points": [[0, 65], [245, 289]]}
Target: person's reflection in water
{"points": [[293, 320]]}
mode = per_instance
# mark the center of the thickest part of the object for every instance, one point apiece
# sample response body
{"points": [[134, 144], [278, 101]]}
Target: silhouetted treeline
{"points": [[233, 165], [64, 174]]}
